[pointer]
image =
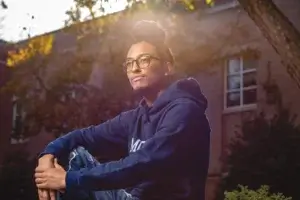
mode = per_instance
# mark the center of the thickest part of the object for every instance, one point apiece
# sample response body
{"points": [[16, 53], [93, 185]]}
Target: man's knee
{"points": [[80, 157], [78, 152]]}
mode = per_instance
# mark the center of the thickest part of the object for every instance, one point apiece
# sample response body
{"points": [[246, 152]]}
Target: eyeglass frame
{"points": [[132, 61]]}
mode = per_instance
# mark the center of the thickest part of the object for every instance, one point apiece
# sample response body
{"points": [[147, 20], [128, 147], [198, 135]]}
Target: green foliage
{"points": [[244, 193], [52, 85], [266, 153]]}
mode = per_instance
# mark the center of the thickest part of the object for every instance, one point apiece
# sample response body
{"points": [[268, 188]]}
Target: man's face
{"points": [[144, 67]]}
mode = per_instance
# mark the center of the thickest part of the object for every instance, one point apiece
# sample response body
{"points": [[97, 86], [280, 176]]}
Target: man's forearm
{"points": [[63, 145]]}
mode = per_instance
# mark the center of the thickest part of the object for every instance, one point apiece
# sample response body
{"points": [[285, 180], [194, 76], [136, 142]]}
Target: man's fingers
{"points": [[40, 193], [42, 185], [40, 169], [39, 180], [43, 194], [52, 195], [39, 175]]}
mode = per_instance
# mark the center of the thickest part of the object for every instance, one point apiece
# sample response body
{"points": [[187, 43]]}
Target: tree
{"points": [[279, 31], [273, 24], [55, 93], [106, 27], [275, 27], [3, 5], [57, 98], [265, 152]]}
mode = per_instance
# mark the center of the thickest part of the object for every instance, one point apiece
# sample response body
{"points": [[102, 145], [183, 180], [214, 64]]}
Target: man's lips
{"points": [[137, 78]]}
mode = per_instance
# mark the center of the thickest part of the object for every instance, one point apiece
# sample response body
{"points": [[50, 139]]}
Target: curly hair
{"points": [[151, 32]]}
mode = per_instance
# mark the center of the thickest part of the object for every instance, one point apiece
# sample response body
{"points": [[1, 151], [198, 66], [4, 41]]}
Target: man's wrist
{"points": [[72, 180], [47, 157]]}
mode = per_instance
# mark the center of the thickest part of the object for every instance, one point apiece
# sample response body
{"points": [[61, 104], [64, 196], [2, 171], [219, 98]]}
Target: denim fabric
{"points": [[81, 158]]}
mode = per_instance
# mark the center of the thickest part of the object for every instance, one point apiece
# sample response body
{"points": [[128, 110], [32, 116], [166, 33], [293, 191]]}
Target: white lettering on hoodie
{"points": [[136, 144]]}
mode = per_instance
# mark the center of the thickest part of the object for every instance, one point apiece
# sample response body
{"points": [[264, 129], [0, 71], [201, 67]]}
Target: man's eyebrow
{"points": [[140, 55]]}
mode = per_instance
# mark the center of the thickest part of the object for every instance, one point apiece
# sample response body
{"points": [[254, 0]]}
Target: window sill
{"points": [[240, 109], [19, 141]]}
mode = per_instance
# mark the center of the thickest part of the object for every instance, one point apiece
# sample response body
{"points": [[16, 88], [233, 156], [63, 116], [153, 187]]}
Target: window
{"points": [[68, 95], [219, 5], [17, 122], [219, 2], [209, 6], [240, 83]]}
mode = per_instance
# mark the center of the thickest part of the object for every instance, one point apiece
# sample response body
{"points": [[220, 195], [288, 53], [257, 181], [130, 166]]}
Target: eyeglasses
{"points": [[143, 61]]}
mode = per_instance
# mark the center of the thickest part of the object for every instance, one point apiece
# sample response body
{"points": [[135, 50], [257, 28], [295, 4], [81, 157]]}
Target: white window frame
{"points": [[14, 116], [241, 106], [221, 7]]}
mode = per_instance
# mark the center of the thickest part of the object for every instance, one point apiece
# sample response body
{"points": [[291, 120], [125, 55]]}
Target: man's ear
{"points": [[170, 69]]}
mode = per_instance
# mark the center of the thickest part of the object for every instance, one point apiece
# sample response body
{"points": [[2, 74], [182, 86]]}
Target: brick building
{"points": [[233, 87], [5, 102]]}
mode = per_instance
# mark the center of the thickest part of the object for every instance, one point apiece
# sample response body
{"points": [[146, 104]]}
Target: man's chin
{"points": [[140, 90]]}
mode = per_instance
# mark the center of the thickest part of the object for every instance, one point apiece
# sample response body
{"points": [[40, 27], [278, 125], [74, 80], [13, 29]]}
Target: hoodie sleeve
{"points": [[106, 138], [181, 136]]}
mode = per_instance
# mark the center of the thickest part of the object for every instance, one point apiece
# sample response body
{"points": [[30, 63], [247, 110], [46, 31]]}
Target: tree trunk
{"points": [[279, 31]]}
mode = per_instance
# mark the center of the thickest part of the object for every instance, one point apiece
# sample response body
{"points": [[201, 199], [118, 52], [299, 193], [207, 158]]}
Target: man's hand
{"points": [[46, 194], [51, 178], [45, 162]]}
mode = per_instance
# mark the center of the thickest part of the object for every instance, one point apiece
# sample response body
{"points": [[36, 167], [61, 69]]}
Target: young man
{"points": [[165, 140]]}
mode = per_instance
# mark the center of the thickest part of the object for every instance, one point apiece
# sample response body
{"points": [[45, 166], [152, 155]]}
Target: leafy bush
{"points": [[266, 153], [263, 193]]}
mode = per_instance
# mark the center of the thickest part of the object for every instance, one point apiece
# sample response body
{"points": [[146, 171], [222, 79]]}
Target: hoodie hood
{"points": [[183, 88]]}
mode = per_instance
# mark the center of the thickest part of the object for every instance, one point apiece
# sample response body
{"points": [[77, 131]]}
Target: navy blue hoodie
{"points": [[167, 148]]}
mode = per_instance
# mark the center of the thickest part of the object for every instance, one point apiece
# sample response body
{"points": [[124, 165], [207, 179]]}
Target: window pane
{"points": [[249, 79], [218, 2], [233, 99], [249, 96], [233, 82], [249, 64], [18, 125], [233, 66]]}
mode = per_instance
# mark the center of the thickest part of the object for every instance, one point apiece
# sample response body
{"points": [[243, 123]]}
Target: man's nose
{"points": [[135, 67]]}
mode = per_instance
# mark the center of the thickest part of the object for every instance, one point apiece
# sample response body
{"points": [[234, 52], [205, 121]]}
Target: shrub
{"points": [[266, 152], [263, 193]]}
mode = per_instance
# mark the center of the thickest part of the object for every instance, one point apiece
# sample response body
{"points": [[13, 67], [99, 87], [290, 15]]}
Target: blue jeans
{"points": [[81, 158]]}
